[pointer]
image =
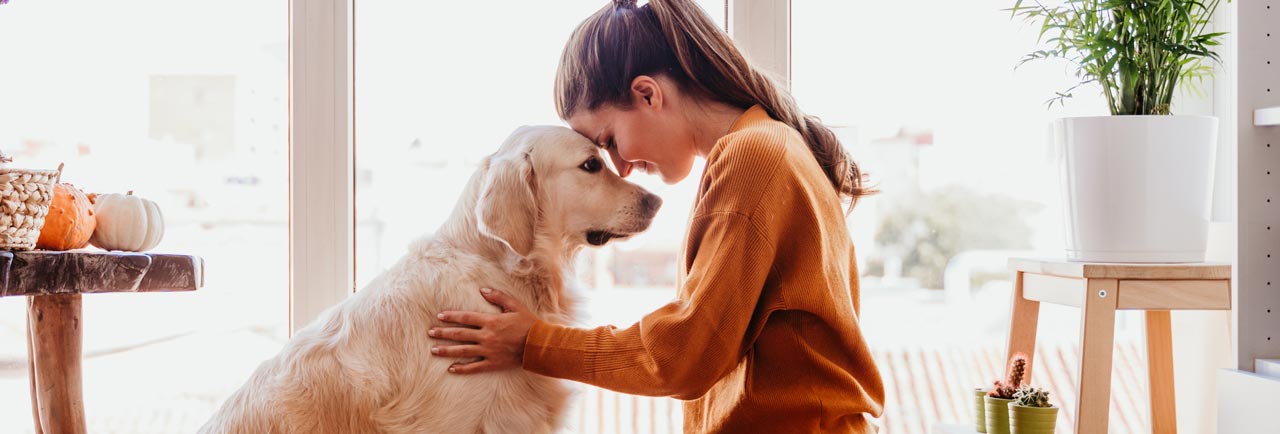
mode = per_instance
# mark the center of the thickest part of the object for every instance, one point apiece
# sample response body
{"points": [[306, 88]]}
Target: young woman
{"points": [[764, 335]]}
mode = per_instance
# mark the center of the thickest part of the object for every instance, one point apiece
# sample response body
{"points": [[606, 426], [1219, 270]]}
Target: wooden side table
{"points": [[1099, 290], [53, 283]]}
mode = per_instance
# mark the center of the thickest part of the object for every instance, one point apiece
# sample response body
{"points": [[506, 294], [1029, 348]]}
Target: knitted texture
{"points": [[763, 335]]}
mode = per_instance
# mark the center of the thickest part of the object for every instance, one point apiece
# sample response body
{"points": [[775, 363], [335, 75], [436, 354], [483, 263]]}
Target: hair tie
{"points": [[630, 4]]}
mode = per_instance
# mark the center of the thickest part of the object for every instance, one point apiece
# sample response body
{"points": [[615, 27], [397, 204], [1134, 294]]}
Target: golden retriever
{"points": [[365, 367]]}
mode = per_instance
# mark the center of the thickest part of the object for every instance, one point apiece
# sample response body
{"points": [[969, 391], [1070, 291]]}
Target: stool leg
{"points": [[57, 333], [1098, 321], [1160, 372], [31, 369], [1022, 328]]}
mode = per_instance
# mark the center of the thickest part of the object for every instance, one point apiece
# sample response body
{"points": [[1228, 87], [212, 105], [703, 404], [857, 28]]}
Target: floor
{"points": [[132, 392]]}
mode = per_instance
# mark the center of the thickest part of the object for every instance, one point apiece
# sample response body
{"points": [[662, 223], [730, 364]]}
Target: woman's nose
{"points": [[622, 166]]}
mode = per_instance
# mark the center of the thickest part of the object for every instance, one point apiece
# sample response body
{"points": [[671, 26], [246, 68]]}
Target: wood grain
{"points": [[88, 272], [1155, 288], [1022, 327], [1098, 321], [173, 273], [1175, 294], [1164, 415], [53, 283], [1092, 270], [76, 273], [31, 370], [56, 330]]}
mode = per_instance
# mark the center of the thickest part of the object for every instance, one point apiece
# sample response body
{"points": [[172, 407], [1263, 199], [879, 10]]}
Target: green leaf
{"points": [[1139, 51]]}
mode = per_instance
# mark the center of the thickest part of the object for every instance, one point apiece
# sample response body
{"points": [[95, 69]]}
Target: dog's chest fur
{"points": [[365, 366]]}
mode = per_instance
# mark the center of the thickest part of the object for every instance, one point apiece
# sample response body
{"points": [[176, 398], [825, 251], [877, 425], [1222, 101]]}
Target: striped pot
{"points": [[1032, 420], [980, 410], [997, 415]]}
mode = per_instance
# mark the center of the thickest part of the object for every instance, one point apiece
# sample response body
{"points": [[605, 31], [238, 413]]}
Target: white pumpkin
{"points": [[126, 222]]}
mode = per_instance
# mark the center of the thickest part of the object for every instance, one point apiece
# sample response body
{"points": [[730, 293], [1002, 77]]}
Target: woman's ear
{"points": [[645, 91]]}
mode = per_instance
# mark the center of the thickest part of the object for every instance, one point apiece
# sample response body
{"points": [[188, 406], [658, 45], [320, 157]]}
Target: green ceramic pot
{"points": [[997, 415], [980, 410], [1032, 420]]}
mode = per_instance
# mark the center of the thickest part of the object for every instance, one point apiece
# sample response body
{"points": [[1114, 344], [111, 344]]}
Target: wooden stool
{"points": [[52, 283], [1099, 290]]}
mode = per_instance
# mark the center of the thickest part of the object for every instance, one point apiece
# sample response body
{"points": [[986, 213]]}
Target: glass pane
{"points": [[958, 143], [185, 103], [439, 86]]}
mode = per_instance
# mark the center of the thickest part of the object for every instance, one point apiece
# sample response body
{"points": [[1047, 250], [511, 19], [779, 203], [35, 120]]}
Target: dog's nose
{"points": [[650, 203]]}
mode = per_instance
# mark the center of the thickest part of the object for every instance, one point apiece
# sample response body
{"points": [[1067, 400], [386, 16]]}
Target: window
{"points": [[186, 103], [958, 141], [438, 88]]}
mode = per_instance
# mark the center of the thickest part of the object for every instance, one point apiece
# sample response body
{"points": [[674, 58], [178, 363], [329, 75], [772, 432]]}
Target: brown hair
{"points": [[675, 38]]}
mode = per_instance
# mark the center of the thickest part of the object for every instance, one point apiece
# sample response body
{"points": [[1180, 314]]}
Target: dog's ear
{"points": [[506, 209]]}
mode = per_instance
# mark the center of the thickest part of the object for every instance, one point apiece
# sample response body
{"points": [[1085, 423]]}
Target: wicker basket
{"points": [[25, 195]]}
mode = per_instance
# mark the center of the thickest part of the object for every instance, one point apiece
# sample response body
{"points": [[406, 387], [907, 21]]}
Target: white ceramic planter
{"points": [[1136, 188]]}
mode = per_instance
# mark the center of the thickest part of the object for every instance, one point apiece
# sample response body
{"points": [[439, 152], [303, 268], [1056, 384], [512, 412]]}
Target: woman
{"points": [[764, 335]]}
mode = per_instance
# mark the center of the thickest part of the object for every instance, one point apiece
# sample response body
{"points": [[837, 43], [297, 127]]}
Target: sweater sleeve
{"points": [[684, 347]]}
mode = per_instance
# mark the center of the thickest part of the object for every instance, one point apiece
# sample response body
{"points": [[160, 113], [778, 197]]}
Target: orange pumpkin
{"points": [[70, 221]]}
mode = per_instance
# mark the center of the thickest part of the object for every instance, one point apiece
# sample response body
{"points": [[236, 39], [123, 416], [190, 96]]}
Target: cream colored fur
{"points": [[364, 366]]}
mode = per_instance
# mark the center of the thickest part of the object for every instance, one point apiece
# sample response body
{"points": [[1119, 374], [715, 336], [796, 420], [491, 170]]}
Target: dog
{"points": [[365, 367]]}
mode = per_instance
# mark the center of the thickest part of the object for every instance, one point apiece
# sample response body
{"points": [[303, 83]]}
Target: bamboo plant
{"points": [[1138, 51]]}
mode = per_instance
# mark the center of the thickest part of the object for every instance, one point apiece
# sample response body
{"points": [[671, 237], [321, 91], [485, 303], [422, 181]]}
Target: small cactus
{"points": [[1032, 397], [1005, 389]]}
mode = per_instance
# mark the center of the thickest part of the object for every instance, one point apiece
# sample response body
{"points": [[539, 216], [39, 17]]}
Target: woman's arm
{"points": [[678, 350]]}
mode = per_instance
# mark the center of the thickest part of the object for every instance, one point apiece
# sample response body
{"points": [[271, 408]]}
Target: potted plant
{"points": [[1136, 184], [980, 409], [998, 399], [1031, 412]]}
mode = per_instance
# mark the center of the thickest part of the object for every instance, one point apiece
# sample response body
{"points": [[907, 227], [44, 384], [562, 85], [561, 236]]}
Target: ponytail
{"points": [[676, 38]]}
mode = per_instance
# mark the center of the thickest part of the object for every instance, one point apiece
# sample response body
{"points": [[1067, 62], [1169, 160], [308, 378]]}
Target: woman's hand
{"points": [[497, 339]]}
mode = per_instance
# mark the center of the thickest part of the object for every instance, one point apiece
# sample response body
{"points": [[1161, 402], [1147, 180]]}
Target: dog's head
{"points": [[554, 181]]}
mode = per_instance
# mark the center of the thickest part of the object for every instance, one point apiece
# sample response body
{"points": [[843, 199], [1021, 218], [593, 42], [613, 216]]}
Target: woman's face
{"points": [[651, 136]]}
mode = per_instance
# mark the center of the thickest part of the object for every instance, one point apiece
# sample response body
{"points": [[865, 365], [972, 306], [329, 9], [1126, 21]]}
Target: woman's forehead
{"points": [[590, 123]]}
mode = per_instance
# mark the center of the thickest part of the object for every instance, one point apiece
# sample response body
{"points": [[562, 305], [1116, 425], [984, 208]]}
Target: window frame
{"points": [[322, 148], [321, 157], [322, 153]]}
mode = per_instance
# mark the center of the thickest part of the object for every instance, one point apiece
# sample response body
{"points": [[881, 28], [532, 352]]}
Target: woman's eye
{"points": [[592, 165]]}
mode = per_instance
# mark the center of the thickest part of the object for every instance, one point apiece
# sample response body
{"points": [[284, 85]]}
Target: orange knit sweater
{"points": [[764, 335]]}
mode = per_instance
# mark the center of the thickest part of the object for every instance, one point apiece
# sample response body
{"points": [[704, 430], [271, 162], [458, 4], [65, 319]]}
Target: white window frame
{"points": [[322, 143], [321, 158], [1256, 280], [322, 148], [1257, 271], [762, 30]]}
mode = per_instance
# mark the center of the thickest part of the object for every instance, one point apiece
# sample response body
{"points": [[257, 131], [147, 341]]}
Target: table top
{"points": [[85, 272], [1106, 270]]}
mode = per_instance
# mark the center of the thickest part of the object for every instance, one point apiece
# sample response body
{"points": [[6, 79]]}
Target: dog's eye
{"points": [[592, 165]]}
